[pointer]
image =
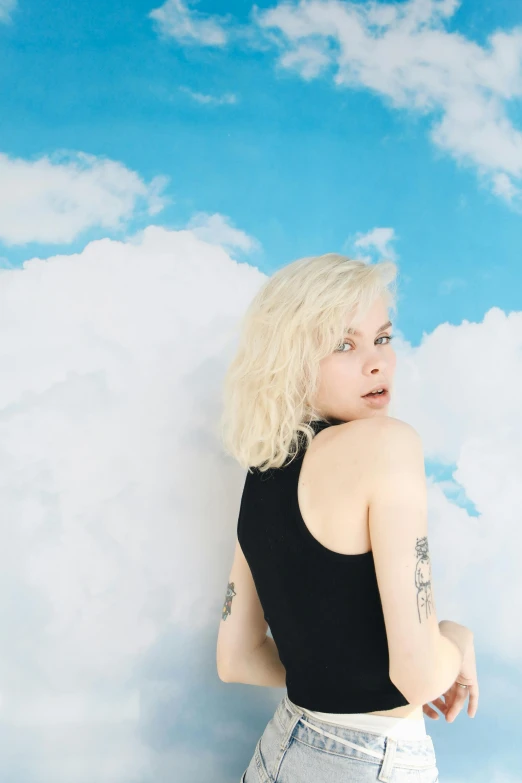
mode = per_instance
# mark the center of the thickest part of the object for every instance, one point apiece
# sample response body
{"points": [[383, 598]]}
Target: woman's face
{"points": [[365, 361]]}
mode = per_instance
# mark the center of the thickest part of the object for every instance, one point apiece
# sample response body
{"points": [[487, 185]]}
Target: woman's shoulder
{"points": [[371, 425], [355, 443]]}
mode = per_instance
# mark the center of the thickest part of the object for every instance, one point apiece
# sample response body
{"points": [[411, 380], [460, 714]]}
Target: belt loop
{"points": [[286, 737], [389, 758], [293, 715], [287, 734]]}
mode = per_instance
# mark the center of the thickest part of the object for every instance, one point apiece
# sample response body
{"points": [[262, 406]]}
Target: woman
{"points": [[332, 549]]}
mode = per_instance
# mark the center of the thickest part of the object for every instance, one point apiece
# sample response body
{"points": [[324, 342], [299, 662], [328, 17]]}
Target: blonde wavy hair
{"points": [[297, 318]]}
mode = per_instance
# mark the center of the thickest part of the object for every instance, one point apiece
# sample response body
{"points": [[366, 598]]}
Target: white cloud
{"points": [[379, 239], [503, 186], [176, 20], [6, 9], [55, 198], [110, 362], [217, 230], [456, 388], [119, 508], [214, 100], [403, 52]]}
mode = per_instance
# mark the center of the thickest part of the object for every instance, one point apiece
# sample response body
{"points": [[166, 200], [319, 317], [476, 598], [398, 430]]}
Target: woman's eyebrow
{"points": [[354, 331]]}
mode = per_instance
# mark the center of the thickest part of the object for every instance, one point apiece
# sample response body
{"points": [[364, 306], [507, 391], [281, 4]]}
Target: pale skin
{"points": [[365, 360]]}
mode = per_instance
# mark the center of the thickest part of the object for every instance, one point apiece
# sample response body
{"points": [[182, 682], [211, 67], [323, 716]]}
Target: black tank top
{"points": [[323, 608]]}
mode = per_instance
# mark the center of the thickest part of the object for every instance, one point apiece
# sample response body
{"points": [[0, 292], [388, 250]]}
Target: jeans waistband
{"points": [[357, 743], [398, 727]]}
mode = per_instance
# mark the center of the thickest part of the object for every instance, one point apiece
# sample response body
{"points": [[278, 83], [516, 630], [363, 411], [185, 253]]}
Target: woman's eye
{"points": [[388, 337]]}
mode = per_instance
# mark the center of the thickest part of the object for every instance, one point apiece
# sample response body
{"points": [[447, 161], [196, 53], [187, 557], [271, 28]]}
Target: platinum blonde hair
{"points": [[297, 318]]}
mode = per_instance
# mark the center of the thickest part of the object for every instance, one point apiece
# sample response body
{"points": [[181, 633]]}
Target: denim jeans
{"points": [[298, 748]]}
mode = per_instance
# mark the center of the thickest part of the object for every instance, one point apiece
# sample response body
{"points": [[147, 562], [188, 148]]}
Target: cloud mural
{"points": [[137, 221]]}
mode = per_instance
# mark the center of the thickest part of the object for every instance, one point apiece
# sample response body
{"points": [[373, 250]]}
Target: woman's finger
{"points": [[473, 700], [458, 702]]}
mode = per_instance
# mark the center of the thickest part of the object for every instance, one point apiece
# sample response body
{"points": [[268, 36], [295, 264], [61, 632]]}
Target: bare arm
{"points": [[423, 662], [261, 666], [447, 662], [244, 652]]}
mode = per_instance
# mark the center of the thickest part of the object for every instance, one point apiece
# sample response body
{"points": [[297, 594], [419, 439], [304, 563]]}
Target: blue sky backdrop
{"points": [[157, 161]]}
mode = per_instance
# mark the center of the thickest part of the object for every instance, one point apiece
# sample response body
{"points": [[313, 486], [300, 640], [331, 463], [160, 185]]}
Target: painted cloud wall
{"points": [[157, 163]]}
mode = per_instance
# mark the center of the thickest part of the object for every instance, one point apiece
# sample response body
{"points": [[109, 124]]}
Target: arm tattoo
{"points": [[423, 578], [228, 601]]}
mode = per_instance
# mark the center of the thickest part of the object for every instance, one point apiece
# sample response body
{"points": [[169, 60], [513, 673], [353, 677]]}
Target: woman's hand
{"points": [[452, 701]]}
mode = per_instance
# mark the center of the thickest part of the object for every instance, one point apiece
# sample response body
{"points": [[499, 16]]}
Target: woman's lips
{"points": [[377, 400]]}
